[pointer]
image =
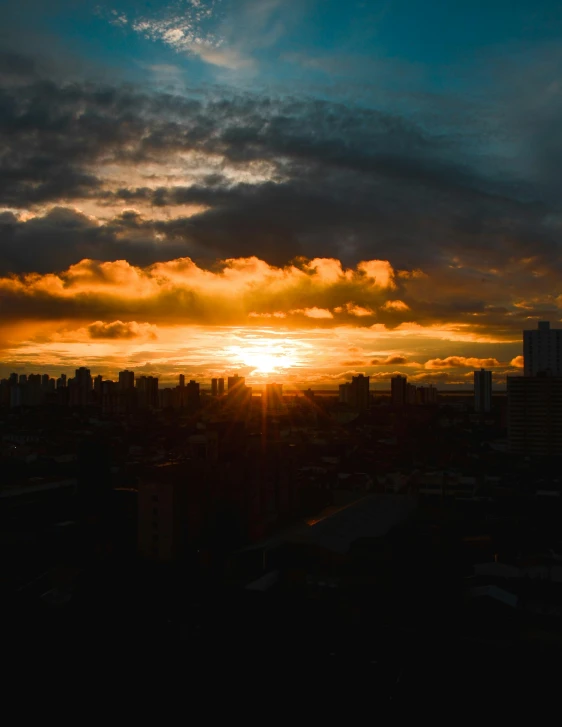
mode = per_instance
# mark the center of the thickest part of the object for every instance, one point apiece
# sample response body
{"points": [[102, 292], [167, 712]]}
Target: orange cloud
{"points": [[518, 362], [119, 329], [461, 362], [395, 305], [389, 361]]}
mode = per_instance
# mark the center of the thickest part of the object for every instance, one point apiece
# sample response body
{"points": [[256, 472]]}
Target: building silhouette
{"points": [[534, 414], [482, 391], [399, 390], [126, 380], [542, 350], [147, 388]]}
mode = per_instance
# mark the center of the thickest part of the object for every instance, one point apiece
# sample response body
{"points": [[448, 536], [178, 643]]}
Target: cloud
{"points": [[518, 362], [235, 290], [119, 329], [398, 305], [390, 361], [354, 310], [462, 362]]}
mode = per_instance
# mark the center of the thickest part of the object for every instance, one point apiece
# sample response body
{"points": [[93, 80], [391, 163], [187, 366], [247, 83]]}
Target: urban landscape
{"points": [[341, 508], [281, 359]]}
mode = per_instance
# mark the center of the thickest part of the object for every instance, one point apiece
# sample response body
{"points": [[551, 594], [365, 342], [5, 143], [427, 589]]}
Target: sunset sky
{"points": [[295, 190]]}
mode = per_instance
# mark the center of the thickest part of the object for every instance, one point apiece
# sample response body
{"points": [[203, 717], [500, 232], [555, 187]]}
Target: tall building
{"points": [[214, 387], [399, 390], [61, 382], [359, 392], [192, 395], [147, 388], [182, 380], [534, 414], [482, 391], [98, 385], [126, 380], [81, 388], [542, 350], [235, 381], [221, 387]]}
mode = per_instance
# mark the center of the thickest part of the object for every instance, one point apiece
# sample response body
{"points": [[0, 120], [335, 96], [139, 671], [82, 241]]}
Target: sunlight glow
{"points": [[265, 357]]}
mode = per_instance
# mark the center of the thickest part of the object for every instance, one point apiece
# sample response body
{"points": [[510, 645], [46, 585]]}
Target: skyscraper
{"points": [[214, 387], [235, 381], [182, 380], [482, 391], [126, 380], [542, 350], [398, 390], [534, 414], [359, 392], [221, 387]]}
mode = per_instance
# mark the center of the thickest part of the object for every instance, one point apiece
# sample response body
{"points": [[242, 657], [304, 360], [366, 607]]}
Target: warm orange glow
{"points": [[265, 356]]}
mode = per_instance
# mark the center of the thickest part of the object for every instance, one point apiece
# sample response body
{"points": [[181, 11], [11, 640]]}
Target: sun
{"points": [[265, 357]]}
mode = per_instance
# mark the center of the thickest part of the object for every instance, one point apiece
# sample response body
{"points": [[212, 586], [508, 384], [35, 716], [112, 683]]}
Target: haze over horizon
{"points": [[294, 190]]}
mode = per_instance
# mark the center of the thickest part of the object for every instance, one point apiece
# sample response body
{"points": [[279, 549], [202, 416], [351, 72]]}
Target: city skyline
{"points": [[291, 189]]}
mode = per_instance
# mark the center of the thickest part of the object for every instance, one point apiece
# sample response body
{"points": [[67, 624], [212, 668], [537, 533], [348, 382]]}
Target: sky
{"points": [[295, 190]]}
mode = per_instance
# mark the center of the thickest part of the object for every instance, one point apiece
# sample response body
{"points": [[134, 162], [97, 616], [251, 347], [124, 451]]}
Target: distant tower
{"points": [[126, 380], [482, 390], [214, 387], [235, 381], [542, 350], [399, 390], [221, 386], [182, 380]]}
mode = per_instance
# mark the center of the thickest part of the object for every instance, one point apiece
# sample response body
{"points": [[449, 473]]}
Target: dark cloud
{"points": [[326, 179]]}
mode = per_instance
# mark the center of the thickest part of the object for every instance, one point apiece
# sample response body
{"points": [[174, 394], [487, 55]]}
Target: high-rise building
{"points": [[214, 387], [61, 382], [359, 392], [482, 391], [81, 387], [235, 381], [534, 414], [147, 388], [192, 395], [98, 383], [23, 379], [424, 394], [126, 380], [221, 387], [398, 390], [182, 380], [45, 382], [542, 350]]}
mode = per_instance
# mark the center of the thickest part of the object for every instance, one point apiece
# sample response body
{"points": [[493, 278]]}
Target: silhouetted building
{"points": [[147, 390], [398, 390], [214, 387], [80, 387], [534, 414], [61, 382], [126, 380], [542, 350], [425, 395], [344, 393], [359, 392], [182, 380], [193, 399], [235, 381], [221, 387], [482, 390]]}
